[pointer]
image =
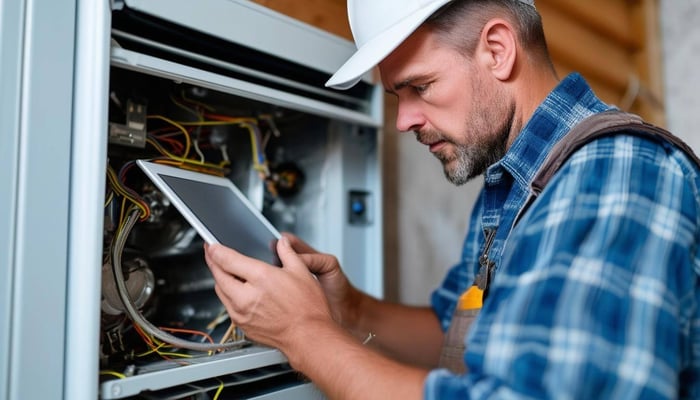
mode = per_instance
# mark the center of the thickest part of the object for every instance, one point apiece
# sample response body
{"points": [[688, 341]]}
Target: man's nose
{"points": [[409, 117]]}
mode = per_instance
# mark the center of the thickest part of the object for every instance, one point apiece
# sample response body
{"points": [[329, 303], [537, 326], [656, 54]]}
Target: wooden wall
{"points": [[613, 43], [329, 15]]}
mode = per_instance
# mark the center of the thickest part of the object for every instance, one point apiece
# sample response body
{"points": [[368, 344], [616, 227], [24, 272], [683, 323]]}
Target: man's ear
{"points": [[498, 48]]}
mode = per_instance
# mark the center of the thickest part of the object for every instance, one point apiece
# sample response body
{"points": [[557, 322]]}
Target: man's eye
{"points": [[420, 88]]}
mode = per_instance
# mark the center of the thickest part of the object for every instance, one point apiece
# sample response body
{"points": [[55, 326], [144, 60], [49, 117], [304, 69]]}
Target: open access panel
{"points": [[232, 89]]}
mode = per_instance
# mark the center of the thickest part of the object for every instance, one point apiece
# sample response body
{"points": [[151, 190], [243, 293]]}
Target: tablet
{"points": [[217, 210]]}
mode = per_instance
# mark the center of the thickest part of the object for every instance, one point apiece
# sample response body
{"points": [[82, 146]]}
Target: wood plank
{"points": [[650, 102], [329, 15], [609, 17], [593, 54]]}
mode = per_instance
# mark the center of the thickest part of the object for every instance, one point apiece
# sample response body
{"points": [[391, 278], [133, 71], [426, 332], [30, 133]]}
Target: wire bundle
{"points": [[117, 250]]}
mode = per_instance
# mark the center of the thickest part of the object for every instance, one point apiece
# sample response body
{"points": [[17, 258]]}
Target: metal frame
{"points": [[55, 60]]}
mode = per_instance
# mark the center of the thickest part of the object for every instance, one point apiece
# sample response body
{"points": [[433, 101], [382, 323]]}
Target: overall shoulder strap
{"points": [[598, 125]]}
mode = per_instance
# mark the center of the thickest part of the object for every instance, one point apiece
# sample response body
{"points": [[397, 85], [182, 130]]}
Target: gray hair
{"points": [[459, 24]]}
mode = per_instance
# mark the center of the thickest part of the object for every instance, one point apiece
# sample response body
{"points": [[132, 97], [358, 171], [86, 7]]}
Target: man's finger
{"points": [[319, 263], [297, 244], [233, 262], [290, 259], [221, 276]]}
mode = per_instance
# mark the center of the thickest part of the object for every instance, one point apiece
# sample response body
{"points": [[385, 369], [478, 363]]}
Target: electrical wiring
{"points": [[198, 114], [259, 164], [194, 111], [176, 146], [223, 316], [157, 350], [224, 154], [127, 193], [273, 128], [195, 102], [251, 125], [188, 140], [198, 151], [113, 373], [121, 211], [219, 390], [118, 247], [146, 339], [109, 198], [190, 331], [156, 346], [218, 119], [229, 333], [179, 161]]}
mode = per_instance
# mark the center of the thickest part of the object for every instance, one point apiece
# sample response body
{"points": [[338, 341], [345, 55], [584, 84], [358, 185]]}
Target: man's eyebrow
{"points": [[401, 84]]}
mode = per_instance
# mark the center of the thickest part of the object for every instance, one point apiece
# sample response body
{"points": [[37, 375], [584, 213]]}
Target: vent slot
{"points": [[145, 34]]}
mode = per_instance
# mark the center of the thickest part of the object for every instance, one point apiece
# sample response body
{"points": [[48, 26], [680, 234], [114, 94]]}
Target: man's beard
{"points": [[486, 139], [471, 161], [489, 145]]}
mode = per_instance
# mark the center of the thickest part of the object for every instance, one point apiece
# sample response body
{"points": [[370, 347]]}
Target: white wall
{"points": [[431, 213], [431, 216], [681, 59]]}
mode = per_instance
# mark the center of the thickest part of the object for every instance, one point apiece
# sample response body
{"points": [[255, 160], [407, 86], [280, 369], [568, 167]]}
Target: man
{"points": [[593, 293]]}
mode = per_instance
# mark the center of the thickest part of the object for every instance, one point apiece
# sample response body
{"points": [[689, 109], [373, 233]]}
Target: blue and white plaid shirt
{"points": [[596, 293]]}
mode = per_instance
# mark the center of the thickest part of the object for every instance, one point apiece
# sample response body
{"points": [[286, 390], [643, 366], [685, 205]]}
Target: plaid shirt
{"points": [[596, 291]]}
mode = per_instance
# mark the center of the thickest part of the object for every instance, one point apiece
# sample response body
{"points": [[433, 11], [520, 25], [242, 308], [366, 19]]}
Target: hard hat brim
{"points": [[375, 50]]}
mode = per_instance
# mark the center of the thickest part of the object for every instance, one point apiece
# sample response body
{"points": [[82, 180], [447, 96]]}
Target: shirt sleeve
{"points": [[597, 295]]}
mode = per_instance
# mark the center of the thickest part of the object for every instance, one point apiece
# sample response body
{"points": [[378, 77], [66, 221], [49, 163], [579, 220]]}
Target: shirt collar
{"points": [[570, 102]]}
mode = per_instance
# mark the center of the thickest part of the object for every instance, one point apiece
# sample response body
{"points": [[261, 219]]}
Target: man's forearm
{"points": [[407, 334], [350, 370]]}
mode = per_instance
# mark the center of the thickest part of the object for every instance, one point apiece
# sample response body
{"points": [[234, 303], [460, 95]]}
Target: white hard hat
{"points": [[379, 27]]}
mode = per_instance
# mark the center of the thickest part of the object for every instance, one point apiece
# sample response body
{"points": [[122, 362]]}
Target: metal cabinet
{"points": [[71, 74]]}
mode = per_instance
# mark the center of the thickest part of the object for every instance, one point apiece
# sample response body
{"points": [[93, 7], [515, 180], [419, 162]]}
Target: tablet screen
{"points": [[217, 210]]}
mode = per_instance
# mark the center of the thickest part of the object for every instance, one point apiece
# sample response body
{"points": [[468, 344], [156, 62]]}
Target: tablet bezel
{"points": [[154, 171]]}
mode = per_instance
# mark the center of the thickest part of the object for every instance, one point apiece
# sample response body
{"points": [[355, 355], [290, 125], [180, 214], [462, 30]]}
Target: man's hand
{"points": [[341, 295], [286, 308], [272, 305]]}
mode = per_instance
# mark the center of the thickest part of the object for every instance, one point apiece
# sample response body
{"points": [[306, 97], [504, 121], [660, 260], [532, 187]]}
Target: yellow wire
{"points": [[163, 353], [218, 391], [199, 103], [113, 373], [118, 187], [247, 123], [180, 160], [232, 121], [109, 198], [243, 122], [200, 118], [121, 213], [179, 126], [254, 147], [151, 351], [188, 109]]}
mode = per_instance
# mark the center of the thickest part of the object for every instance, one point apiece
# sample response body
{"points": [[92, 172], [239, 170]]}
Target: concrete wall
{"points": [[681, 56], [431, 213]]}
